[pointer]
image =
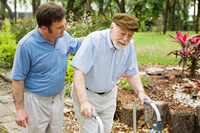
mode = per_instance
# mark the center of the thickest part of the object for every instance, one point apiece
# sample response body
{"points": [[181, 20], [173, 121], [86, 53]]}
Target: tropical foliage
{"points": [[190, 51], [193, 88]]}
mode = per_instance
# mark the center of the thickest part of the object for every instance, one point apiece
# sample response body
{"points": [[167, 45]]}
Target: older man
{"points": [[101, 60]]}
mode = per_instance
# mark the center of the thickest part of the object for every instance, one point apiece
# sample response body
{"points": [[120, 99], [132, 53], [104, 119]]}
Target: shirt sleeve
{"points": [[132, 66], [21, 63], [74, 44], [84, 58]]}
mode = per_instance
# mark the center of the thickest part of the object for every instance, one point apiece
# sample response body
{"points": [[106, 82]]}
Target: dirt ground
{"points": [[158, 89]]}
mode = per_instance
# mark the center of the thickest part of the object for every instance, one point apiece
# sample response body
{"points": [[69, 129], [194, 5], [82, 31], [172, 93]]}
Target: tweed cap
{"points": [[126, 21]]}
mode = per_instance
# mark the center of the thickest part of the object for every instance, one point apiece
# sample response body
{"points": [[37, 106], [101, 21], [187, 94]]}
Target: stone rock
{"points": [[7, 77], [6, 99], [2, 70], [142, 73], [66, 110], [12, 127], [164, 77], [174, 68], [6, 119], [68, 102], [153, 70]]}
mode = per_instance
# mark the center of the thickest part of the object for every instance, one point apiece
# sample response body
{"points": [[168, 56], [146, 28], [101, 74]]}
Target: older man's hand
{"points": [[142, 96], [86, 108]]}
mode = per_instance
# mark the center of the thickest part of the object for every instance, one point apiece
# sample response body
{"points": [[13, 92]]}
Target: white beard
{"points": [[120, 47]]}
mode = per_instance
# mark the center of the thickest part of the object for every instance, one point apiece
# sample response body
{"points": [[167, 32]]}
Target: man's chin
{"points": [[61, 35], [120, 48]]}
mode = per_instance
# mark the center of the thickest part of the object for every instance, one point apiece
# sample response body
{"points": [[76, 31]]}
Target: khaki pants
{"points": [[45, 113], [105, 106]]}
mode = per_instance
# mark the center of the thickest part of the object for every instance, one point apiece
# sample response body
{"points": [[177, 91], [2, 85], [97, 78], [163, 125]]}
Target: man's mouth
{"points": [[122, 43]]}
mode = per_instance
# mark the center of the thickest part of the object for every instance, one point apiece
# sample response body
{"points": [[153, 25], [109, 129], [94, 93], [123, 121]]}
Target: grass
{"points": [[153, 48]]}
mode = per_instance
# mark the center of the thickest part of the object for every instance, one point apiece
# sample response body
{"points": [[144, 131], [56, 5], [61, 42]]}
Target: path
{"points": [[7, 107]]}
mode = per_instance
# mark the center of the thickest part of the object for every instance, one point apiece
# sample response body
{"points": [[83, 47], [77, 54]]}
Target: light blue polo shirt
{"points": [[102, 64], [41, 65]]}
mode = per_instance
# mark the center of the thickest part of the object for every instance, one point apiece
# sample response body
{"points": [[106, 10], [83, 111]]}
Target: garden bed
{"points": [[159, 88]]}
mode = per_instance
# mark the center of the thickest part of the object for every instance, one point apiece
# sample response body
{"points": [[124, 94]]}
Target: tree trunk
{"points": [[15, 7], [2, 7], [198, 117], [9, 10], [63, 3], [70, 5], [126, 114], [88, 7], [173, 16], [183, 122], [150, 115], [194, 16], [198, 15], [35, 5], [79, 6], [165, 18], [108, 4], [100, 7], [38, 4], [185, 14], [118, 108], [121, 6], [178, 18]]}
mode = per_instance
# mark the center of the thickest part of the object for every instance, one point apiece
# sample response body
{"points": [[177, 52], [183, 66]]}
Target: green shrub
{"points": [[123, 83], [69, 77], [84, 26], [23, 26], [8, 45], [69, 71]]}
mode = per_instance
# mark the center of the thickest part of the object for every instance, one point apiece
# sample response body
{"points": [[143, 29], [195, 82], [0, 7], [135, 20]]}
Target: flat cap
{"points": [[126, 21]]}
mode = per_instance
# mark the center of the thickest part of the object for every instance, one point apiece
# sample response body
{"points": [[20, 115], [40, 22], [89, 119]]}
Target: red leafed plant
{"points": [[193, 88], [190, 51]]}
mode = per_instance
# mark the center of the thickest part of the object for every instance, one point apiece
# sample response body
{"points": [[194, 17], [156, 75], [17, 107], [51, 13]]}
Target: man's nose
{"points": [[65, 28], [125, 38]]}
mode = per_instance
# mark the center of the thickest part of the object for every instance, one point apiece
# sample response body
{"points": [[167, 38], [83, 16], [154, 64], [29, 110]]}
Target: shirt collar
{"points": [[109, 40], [38, 36]]}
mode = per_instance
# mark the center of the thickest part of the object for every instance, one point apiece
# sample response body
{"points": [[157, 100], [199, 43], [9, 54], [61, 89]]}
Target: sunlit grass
{"points": [[153, 48]]}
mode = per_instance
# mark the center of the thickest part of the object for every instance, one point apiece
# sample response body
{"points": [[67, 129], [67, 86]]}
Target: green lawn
{"points": [[153, 48]]}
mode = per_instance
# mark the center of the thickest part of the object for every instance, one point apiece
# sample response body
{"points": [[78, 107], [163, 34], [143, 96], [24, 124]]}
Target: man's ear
{"points": [[45, 29], [111, 26]]}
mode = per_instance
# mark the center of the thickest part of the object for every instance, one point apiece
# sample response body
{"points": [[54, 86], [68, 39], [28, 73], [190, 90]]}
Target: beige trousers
{"points": [[105, 106], [45, 113]]}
